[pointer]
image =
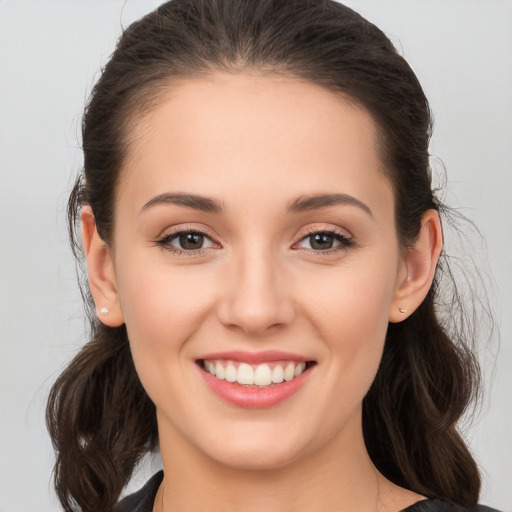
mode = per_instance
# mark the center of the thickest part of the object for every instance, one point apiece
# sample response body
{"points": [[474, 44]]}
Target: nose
{"points": [[257, 295]]}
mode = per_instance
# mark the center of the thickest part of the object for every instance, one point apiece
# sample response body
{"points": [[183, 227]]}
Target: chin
{"points": [[255, 453], [255, 460]]}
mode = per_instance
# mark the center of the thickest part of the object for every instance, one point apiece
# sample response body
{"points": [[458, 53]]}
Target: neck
{"points": [[340, 476]]}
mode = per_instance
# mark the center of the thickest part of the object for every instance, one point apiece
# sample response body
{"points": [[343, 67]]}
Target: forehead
{"points": [[249, 131]]}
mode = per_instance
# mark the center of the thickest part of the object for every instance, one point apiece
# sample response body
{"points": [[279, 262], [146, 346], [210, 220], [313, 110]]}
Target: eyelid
{"points": [[325, 229], [346, 240], [164, 240]]}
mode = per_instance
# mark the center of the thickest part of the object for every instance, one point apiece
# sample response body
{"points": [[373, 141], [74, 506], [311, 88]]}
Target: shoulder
{"points": [[143, 499], [436, 505]]}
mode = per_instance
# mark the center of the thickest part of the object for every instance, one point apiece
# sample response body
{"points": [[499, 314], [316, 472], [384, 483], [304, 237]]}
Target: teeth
{"points": [[245, 374], [230, 374], [219, 370], [278, 374], [299, 369], [263, 375], [254, 375], [289, 372]]}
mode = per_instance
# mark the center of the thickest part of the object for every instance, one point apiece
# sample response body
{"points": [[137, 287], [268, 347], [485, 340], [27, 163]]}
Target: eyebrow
{"points": [[194, 201], [317, 201], [301, 204]]}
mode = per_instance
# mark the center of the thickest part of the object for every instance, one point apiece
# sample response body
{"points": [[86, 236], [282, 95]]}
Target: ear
{"points": [[418, 268], [100, 271]]}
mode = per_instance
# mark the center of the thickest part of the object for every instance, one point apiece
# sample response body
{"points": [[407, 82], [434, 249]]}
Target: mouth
{"points": [[261, 375], [255, 381]]}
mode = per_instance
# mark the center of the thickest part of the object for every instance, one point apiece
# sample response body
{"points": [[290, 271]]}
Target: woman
{"points": [[262, 248]]}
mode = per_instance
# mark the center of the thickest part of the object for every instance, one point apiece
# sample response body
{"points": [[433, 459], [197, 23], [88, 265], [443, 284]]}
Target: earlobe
{"points": [[420, 262], [100, 272]]}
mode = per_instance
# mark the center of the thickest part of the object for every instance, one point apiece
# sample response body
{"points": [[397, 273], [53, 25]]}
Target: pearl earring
{"points": [[402, 310], [104, 311]]}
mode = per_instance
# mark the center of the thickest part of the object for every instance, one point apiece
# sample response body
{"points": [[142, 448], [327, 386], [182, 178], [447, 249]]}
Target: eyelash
{"points": [[346, 242], [165, 241]]}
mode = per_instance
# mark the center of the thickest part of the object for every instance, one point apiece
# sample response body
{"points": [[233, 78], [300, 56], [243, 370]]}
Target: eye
{"points": [[186, 241], [325, 241]]}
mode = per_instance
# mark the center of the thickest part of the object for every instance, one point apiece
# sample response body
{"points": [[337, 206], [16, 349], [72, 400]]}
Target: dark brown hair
{"points": [[99, 417]]}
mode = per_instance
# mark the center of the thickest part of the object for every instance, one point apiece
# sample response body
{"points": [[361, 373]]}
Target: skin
{"points": [[255, 144]]}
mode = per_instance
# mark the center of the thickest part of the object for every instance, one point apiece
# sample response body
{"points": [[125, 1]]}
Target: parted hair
{"points": [[100, 419]]}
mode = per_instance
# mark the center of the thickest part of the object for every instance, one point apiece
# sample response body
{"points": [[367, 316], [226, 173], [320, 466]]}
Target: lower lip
{"points": [[254, 397]]}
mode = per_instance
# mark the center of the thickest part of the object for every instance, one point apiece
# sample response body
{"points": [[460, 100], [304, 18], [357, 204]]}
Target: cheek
{"points": [[350, 313], [162, 308], [354, 299]]}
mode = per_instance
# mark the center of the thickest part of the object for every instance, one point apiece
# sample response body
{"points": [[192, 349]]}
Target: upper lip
{"points": [[265, 356]]}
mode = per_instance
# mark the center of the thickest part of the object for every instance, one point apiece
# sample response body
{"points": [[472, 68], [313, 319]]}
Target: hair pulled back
{"points": [[100, 419]]}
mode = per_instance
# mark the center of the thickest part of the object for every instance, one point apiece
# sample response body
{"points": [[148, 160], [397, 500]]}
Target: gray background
{"points": [[50, 56]]}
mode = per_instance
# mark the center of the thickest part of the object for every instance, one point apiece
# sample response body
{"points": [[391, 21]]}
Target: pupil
{"points": [[322, 241], [191, 240]]}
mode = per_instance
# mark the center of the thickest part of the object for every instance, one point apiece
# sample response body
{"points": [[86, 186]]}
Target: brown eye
{"points": [[321, 241], [325, 241], [186, 241], [191, 241]]}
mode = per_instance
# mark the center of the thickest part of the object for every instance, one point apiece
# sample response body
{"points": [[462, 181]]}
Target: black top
{"points": [[143, 500]]}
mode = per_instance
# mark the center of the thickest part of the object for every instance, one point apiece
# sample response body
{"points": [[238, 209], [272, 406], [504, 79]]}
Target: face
{"points": [[256, 264]]}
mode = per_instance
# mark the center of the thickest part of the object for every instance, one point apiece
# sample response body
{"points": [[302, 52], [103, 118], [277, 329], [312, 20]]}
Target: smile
{"points": [[255, 381], [261, 375]]}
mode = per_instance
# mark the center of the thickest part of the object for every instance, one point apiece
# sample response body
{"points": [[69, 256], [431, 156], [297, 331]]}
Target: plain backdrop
{"points": [[50, 56]]}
